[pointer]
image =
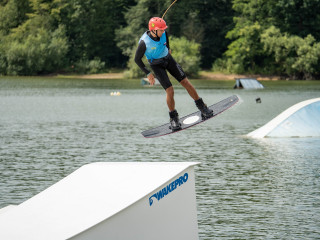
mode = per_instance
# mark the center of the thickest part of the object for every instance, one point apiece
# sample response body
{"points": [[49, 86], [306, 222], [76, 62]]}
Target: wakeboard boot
{"points": [[205, 111], [174, 120]]}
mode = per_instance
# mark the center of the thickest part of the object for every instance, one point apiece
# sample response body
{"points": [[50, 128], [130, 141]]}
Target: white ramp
{"points": [[300, 120], [110, 201]]}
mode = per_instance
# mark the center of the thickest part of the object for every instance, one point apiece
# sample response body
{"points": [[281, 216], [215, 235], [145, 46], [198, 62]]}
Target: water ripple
{"points": [[246, 188]]}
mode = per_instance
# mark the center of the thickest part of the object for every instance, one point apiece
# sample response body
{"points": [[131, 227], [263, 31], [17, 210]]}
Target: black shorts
{"points": [[159, 67]]}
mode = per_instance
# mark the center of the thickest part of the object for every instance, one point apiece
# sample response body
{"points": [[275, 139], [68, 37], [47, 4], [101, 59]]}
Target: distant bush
{"points": [[187, 54], [89, 66], [269, 51], [244, 53], [41, 51]]}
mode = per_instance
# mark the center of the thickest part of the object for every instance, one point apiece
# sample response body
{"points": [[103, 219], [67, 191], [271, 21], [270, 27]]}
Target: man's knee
{"points": [[185, 82], [170, 91]]}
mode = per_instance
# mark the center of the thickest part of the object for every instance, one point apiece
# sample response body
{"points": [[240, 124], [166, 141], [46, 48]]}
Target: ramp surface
{"points": [[300, 120], [115, 194]]}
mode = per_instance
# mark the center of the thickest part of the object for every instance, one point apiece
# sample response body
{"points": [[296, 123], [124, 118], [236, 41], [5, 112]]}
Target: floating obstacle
{"points": [[248, 83], [110, 201], [115, 94], [300, 120]]}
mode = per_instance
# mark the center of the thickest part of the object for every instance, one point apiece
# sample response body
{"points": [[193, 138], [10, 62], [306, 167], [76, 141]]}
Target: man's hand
{"points": [[151, 79]]}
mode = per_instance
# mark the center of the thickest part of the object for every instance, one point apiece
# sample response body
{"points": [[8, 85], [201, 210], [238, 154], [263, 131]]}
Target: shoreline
{"points": [[223, 76], [205, 75]]}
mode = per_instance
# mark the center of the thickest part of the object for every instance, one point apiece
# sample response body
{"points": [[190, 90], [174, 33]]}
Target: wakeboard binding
{"points": [[205, 111], [175, 124]]}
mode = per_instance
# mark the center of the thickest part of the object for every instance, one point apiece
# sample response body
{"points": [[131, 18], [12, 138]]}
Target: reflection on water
{"points": [[246, 188], [267, 190]]}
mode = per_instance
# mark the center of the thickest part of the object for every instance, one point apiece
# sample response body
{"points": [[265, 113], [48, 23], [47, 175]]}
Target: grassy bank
{"points": [[202, 75]]}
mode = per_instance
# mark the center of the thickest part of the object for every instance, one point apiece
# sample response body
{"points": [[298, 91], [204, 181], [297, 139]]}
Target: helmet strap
{"points": [[156, 32]]}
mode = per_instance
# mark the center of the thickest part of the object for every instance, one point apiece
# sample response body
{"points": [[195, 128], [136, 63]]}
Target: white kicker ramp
{"points": [[110, 201], [300, 120]]}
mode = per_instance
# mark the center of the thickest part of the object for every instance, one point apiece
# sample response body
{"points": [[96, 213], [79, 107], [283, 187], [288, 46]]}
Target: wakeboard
{"points": [[192, 119]]}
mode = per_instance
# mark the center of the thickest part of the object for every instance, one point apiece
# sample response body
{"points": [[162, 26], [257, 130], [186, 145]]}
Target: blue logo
{"points": [[169, 188]]}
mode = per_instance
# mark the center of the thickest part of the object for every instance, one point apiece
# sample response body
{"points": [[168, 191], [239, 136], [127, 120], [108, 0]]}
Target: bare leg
{"points": [[189, 87], [170, 98]]}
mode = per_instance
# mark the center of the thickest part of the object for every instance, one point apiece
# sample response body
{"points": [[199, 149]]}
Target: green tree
{"points": [[187, 54], [12, 14], [205, 22], [245, 52], [297, 17], [214, 19], [297, 57], [91, 27], [248, 52], [35, 45], [85, 31]]}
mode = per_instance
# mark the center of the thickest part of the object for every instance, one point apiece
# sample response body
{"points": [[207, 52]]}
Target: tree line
{"points": [[89, 36]]}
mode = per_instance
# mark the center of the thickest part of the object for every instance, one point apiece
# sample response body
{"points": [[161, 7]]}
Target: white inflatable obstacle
{"points": [[110, 201], [248, 83], [300, 120]]}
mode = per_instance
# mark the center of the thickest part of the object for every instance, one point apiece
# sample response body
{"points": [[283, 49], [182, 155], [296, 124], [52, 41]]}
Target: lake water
{"points": [[246, 188]]}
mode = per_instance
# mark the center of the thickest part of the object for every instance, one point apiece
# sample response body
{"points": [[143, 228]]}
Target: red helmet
{"points": [[156, 23]]}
